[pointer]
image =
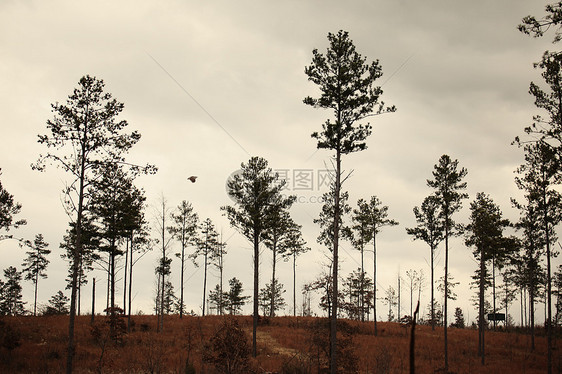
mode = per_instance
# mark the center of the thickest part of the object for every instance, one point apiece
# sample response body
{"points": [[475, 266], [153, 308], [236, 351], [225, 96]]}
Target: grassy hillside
{"points": [[285, 344]]}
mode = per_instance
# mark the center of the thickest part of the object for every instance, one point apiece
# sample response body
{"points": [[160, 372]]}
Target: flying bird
{"points": [[192, 178]]}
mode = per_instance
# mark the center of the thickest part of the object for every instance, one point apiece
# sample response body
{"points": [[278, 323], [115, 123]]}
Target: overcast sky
{"points": [[209, 84]]}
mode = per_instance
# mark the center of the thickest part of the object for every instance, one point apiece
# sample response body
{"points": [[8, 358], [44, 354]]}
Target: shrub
{"points": [[228, 349]]}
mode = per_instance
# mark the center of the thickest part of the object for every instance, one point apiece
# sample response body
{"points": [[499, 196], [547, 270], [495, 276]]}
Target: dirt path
{"points": [[264, 339]]}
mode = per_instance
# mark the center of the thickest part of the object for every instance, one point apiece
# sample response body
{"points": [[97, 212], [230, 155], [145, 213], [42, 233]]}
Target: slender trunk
{"points": [[205, 278], [494, 289], [76, 251], [481, 327], [130, 283], [506, 303], [334, 316], [432, 290], [108, 285], [549, 300], [79, 290], [295, 285], [112, 310], [411, 298], [256, 289], [163, 284], [412, 340], [446, 290], [221, 280], [93, 301], [521, 305], [375, 278], [125, 277], [362, 301], [183, 268], [532, 315], [35, 294], [398, 303], [272, 306], [525, 306]]}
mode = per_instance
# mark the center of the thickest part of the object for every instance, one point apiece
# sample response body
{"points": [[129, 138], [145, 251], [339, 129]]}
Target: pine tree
{"points": [[257, 194], [485, 234], [459, 319], [184, 229], [8, 209], [347, 85], [35, 264], [11, 303], [296, 246], [58, 304], [234, 300], [208, 247], [448, 182], [373, 216], [272, 291], [86, 126], [430, 230]]}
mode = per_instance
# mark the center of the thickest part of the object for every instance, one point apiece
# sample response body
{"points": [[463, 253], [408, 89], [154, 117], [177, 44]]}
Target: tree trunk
{"points": [[548, 297], [163, 284], [432, 291], [76, 253], [272, 306], [130, 283], [532, 315], [35, 293], [446, 290], [295, 285], [183, 268], [205, 278], [362, 301], [398, 304], [256, 291], [125, 277], [375, 278], [221, 302], [481, 326], [494, 289], [93, 301], [334, 316]]}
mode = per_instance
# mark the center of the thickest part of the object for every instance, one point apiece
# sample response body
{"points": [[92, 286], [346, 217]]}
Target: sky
{"points": [[210, 84]]}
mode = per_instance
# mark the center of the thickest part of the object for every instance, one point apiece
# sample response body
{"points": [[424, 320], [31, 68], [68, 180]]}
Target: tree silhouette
{"points": [[537, 27], [11, 303], [448, 182], [284, 238], [58, 304], [373, 216], [272, 291], [85, 135], [112, 202], [208, 246], [233, 299], [163, 269], [429, 229], [256, 192], [539, 176], [90, 255], [35, 264], [485, 234], [296, 246], [347, 85], [184, 229], [8, 209], [276, 238]]}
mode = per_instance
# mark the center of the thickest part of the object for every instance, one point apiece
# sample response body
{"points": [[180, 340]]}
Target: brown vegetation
{"points": [[285, 345]]}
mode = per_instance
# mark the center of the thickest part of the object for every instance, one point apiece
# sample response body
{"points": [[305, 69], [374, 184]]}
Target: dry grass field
{"points": [[285, 345]]}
